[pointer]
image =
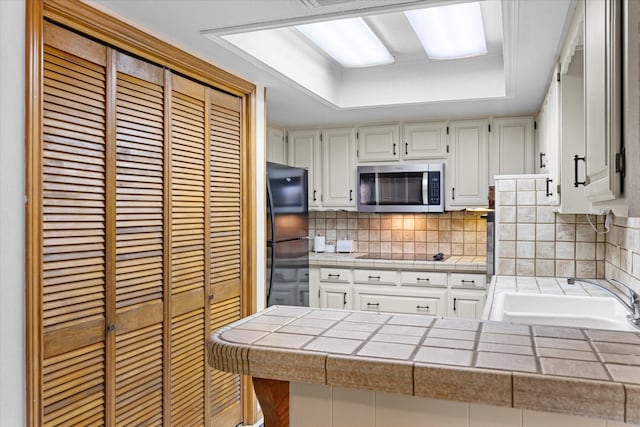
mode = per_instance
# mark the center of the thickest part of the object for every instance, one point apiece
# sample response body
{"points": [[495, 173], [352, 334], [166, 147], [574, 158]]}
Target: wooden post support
{"points": [[273, 396]]}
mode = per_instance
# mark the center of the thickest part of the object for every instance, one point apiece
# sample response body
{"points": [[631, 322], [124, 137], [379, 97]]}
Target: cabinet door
{"points": [[338, 168], [602, 98], [549, 135], [468, 171], [511, 146], [334, 296], [378, 143], [466, 304], [424, 140], [276, 146], [304, 152]]}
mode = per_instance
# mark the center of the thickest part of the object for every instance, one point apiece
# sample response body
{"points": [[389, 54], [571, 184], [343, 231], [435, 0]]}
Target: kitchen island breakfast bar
{"points": [[411, 361]]}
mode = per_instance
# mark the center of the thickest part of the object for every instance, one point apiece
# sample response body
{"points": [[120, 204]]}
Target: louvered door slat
{"points": [[73, 224], [139, 241]]}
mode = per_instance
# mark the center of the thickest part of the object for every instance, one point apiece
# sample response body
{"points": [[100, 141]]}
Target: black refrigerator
{"points": [[287, 236]]}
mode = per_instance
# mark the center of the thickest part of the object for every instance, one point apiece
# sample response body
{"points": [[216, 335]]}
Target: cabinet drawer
{"points": [[432, 302], [459, 280], [340, 275], [375, 277], [417, 278]]}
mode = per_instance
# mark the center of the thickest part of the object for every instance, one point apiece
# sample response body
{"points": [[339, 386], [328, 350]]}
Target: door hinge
{"points": [[447, 130], [558, 76], [447, 148], [620, 162], [357, 135], [357, 153], [320, 137]]}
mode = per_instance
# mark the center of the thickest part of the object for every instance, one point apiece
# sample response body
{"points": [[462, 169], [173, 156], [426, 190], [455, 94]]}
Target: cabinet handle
{"points": [[422, 307], [468, 281], [542, 165], [453, 193], [333, 275], [406, 148], [548, 193], [420, 279], [374, 277], [314, 195], [394, 148], [344, 299], [577, 158], [454, 304], [351, 195], [373, 304]]}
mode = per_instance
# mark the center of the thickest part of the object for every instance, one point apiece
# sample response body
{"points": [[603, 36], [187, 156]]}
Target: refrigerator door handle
{"points": [[273, 238]]}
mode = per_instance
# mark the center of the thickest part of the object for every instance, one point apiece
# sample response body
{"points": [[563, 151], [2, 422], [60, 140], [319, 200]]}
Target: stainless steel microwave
{"points": [[401, 188]]}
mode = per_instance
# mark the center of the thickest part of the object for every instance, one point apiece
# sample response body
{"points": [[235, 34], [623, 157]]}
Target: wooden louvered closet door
{"points": [[74, 227], [226, 220], [139, 292], [142, 231]]}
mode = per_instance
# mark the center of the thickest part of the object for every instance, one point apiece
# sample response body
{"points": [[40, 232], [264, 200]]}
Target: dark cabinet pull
{"points": [[333, 275], [576, 159], [454, 304], [468, 281], [351, 195], [344, 299], [548, 193], [314, 195], [394, 148], [542, 165], [374, 277], [373, 304], [420, 279], [422, 307], [406, 148], [453, 193]]}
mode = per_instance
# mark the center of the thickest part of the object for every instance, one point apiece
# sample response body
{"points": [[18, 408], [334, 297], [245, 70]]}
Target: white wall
{"points": [[12, 181]]}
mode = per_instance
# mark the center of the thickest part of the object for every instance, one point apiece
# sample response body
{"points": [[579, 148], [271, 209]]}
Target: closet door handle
{"points": [[394, 148], [576, 159], [548, 193], [542, 165]]}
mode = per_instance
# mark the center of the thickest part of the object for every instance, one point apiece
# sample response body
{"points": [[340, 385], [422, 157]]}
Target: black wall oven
{"points": [[401, 188]]}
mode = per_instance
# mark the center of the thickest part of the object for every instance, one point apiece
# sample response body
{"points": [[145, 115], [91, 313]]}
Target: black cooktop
{"points": [[403, 257]]}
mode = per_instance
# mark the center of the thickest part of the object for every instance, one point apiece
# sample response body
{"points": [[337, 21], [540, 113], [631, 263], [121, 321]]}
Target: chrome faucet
{"points": [[633, 306]]}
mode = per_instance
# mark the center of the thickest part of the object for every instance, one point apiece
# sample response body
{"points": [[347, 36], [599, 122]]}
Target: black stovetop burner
{"points": [[405, 257]]}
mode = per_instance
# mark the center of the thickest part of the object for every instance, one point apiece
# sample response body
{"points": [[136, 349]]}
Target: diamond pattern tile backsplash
{"points": [[533, 240], [452, 233]]}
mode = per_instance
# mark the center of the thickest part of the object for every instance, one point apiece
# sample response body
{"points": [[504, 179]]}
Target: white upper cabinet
{"points": [[378, 143], [467, 175], [549, 130], [511, 150], [602, 46], [424, 140], [276, 146], [304, 152], [339, 167]]}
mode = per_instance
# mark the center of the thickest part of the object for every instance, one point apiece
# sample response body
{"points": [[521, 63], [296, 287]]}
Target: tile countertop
{"points": [[474, 264], [586, 372]]}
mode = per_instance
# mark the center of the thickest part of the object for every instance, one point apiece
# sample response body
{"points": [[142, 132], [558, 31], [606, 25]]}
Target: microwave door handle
{"points": [[425, 188]]}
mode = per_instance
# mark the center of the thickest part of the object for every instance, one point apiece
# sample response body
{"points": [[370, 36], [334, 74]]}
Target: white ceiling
{"points": [[532, 31]]}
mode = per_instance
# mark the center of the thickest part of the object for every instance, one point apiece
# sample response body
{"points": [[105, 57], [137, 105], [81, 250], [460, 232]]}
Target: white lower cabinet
{"points": [[460, 295], [423, 301], [335, 296], [466, 304]]}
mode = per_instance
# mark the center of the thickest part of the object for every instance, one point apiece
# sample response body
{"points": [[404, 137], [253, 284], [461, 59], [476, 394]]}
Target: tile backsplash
{"points": [[533, 240], [622, 260], [452, 233]]}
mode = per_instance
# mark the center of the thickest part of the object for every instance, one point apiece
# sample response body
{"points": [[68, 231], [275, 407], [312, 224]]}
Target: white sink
{"points": [[561, 310]]}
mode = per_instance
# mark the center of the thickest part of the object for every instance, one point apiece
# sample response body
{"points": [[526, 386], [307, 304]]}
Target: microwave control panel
{"points": [[434, 188]]}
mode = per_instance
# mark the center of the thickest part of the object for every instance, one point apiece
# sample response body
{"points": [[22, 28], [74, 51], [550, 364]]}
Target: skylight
{"points": [[349, 41], [450, 32]]}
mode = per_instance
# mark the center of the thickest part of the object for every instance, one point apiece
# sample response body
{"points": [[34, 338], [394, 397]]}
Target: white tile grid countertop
{"points": [[542, 285], [452, 264]]}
